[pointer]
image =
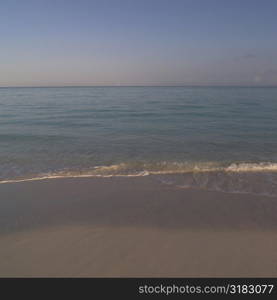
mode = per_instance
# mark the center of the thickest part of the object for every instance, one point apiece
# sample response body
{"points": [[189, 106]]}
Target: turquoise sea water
{"points": [[218, 138]]}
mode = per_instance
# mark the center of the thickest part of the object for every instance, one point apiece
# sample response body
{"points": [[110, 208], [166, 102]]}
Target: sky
{"points": [[138, 42]]}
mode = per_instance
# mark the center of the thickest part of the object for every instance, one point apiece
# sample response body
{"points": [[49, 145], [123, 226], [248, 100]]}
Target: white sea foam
{"points": [[255, 178], [252, 167]]}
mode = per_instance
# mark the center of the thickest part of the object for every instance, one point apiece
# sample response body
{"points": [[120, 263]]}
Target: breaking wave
{"points": [[254, 178]]}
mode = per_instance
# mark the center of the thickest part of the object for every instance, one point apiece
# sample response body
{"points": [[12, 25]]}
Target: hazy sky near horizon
{"points": [[138, 42]]}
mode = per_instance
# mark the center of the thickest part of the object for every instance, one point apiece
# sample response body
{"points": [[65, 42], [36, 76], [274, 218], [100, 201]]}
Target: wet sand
{"points": [[122, 227]]}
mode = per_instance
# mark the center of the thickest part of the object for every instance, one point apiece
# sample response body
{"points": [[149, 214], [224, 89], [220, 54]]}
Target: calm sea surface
{"points": [[218, 138]]}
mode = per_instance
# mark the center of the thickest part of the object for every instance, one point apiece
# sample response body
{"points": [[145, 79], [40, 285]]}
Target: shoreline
{"points": [[245, 178], [133, 227]]}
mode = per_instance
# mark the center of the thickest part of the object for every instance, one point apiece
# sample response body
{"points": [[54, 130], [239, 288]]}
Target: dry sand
{"points": [[121, 227]]}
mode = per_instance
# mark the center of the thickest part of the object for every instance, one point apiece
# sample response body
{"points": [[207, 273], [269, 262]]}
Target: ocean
{"points": [[213, 138]]}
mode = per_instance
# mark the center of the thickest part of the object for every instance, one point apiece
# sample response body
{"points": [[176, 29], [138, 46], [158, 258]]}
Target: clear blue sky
{"points": [[138, 42]]}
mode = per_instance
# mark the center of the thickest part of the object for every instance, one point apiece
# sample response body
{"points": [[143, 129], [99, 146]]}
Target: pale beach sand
{"points": [[122, 227]]}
